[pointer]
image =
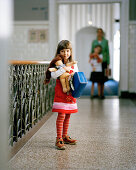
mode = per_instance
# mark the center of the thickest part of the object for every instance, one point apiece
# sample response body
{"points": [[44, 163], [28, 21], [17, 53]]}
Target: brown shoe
{"points": [[68, 140], [60, 144]]}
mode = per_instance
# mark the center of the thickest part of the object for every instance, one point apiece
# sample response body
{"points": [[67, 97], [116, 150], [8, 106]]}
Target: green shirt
{"points": [[105, 49]]}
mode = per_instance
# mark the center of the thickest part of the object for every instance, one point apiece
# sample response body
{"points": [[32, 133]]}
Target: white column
{"points": [[73, 22], [68, 22], [96, 15], [134, 50], [99, 17], [53, 27], [107, 21], [124, 45], [78, 16], [64, 22], [73, 27], [83, 16], [111, 36], [132, 57], [86, 15], [104, 17], [6, 17], [102, 14], [93, 15]]}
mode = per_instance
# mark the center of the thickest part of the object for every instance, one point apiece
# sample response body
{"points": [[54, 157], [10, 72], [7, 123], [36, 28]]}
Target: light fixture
{"points": [[90, 22]]}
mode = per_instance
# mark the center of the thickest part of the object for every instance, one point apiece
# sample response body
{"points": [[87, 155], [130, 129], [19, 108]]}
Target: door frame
{"points": [[124, 30]]}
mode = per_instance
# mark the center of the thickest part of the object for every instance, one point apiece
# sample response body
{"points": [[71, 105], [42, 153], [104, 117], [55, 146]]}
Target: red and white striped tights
{"points": [[62, 124]]}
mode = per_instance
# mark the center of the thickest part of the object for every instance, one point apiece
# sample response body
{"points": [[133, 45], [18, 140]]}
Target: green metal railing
{"points": [[30, 99]]}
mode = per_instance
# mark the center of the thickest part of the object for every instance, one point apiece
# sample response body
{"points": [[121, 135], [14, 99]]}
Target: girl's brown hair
{"points": [[64, 44], [99, 47]]}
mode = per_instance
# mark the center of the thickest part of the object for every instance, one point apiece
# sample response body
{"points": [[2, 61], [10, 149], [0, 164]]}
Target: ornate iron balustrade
{"points": [[30, 99]]}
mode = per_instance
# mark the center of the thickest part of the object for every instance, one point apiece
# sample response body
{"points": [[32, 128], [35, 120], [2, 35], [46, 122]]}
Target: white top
{"points": [[97, 66], [60, 71]]}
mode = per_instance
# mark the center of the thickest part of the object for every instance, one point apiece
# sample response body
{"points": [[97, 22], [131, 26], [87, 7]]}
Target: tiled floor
{"points": [[106, 134]]}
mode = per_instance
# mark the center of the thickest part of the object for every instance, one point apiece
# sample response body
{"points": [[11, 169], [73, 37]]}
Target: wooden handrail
{"points": [[21, 62]]}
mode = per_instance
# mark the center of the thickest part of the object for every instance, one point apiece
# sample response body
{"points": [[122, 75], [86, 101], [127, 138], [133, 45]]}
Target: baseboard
{"points": [[129, 95]]}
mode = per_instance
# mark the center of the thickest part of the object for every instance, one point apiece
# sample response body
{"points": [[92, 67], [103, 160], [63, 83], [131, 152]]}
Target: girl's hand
{"points": [[94, 68], [67, 69], [52, 69], [72, 73], [74, 62]]}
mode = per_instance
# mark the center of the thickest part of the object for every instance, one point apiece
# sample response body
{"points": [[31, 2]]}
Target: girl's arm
{"points": [[91, 62], [99, 58], [62, 70], [58, 73]]}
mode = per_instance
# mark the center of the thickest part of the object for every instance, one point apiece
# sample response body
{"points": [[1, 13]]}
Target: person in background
{"points": [[96, 74], [106, 57]]}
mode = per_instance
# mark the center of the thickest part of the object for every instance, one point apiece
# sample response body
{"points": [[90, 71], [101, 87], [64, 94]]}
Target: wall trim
{"points": [[87, 1], [127, 94], [31, 23]]}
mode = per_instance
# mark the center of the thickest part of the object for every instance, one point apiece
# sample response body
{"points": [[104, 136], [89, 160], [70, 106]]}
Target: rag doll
{"points": [[59, 62]]}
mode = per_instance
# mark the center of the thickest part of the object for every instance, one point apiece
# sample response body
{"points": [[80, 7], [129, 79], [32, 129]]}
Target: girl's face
{"points": [[65, 53], [97, 50]]}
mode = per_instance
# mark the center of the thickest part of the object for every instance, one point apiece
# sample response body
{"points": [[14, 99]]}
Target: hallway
{"points": [[106, 134]]}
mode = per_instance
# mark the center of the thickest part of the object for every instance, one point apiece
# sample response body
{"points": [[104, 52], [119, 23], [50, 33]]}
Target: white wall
{"points": [[21, 48], [84, 39]]}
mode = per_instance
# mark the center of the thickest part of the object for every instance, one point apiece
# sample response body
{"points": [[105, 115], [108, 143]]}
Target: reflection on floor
{"points": [[110, 88], [106, 134]]}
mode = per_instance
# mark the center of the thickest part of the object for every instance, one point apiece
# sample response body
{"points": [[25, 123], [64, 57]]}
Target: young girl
{"points": [[64, 103], [96, 74]]}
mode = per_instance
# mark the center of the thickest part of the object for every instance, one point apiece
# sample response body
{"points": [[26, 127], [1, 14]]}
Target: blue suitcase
{"points": [[79, 82]]}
